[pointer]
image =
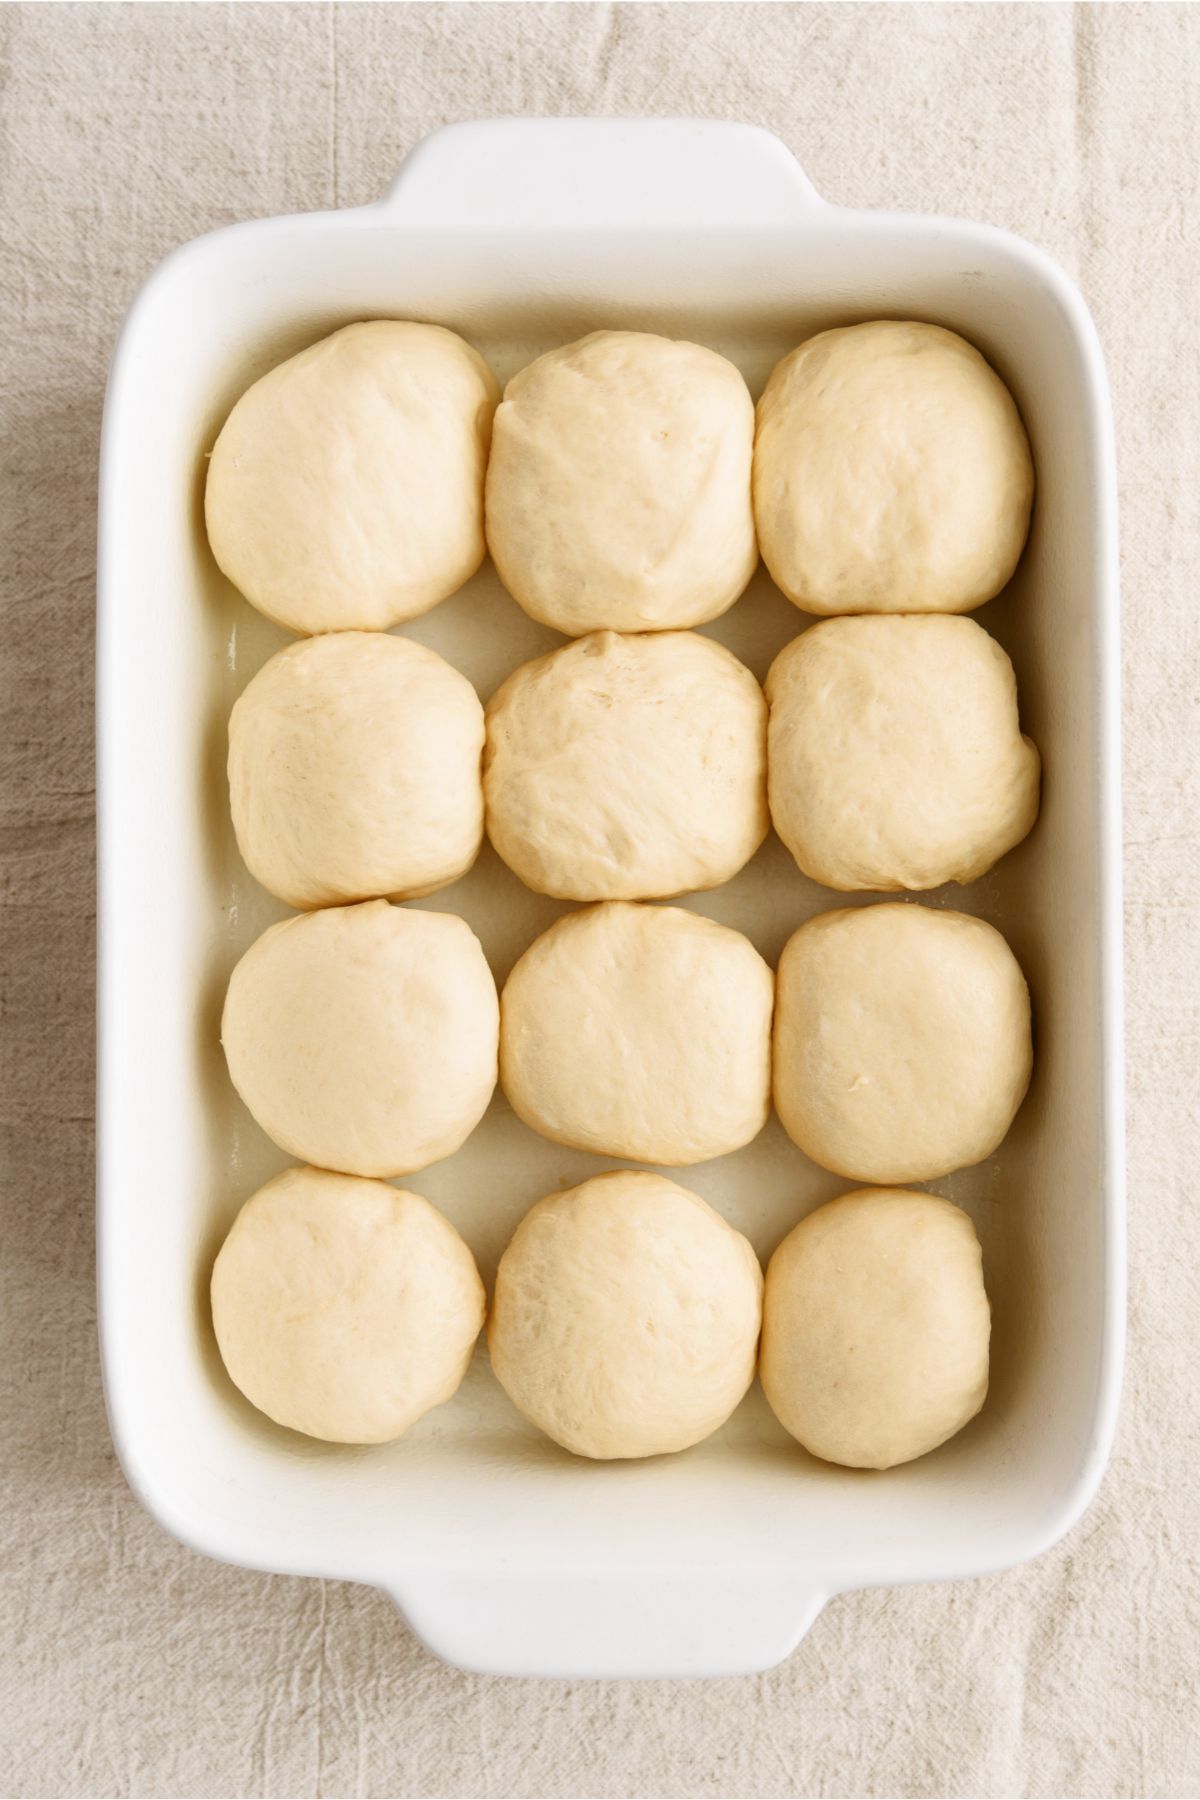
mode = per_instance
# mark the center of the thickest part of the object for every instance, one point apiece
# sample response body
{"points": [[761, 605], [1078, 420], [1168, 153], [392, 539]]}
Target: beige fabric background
{"points": [[130, 1665]]}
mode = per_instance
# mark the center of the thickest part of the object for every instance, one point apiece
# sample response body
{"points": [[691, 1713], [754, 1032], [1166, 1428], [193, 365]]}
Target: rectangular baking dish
{"points": [[504, 1554]]}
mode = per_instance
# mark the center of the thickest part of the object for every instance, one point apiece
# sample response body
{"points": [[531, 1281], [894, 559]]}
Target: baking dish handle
{"points": [[599, 1626], [621, 175]]}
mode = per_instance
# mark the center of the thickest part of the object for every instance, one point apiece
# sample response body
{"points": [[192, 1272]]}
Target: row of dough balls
{"points": [[623, 482], [633, 767], [626, 1320], [896, 1042]]}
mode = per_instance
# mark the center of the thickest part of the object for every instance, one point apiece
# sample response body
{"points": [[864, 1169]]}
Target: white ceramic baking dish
{"points": [[504, 1554]]}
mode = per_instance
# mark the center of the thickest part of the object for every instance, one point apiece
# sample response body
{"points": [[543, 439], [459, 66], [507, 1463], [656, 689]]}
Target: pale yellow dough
{"points": [[618, 490], [895, 756], [876, 1328], [640, 1032], [626, 1317], [902, 1043], [892, 472], [344, 1308], [345, 491], [628, 768], [364, 1037], [354, 770]]}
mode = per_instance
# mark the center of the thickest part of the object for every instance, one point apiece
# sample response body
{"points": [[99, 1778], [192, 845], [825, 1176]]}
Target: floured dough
{"points": [[640, 1032], [628, 768], [364, 1037], [891, 472], [902, 1041], [345, 491], [344, 1308], [354, 770], [895, 757], [876, 1328], [626, 1317], [618, 490]]}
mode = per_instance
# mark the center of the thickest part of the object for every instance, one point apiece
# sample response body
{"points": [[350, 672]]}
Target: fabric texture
{"points": [[129, 1665]]}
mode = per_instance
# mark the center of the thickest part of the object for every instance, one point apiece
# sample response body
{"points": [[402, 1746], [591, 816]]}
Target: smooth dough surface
{"points": [[628, 768], [895, 756], [626, 1317], [344, 1308], [641, 1032], [902, 1043], [876, 1328], [345, 491], [892, 472], [354, 770], [364, 1038], [618, 490]]}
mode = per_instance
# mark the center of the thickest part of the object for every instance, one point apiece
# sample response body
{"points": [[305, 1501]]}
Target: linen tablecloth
{"points": [[132, 1666]]}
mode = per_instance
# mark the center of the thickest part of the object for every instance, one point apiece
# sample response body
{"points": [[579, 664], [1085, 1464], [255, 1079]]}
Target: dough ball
{"points": [[364, 1037], [345, 491], [626, 768], [876, 1327], [354, 770], [626, 1317], [618, 491], [344, 1308], [891, 473], [902, 1041], [895, 757], [640, 1032]]}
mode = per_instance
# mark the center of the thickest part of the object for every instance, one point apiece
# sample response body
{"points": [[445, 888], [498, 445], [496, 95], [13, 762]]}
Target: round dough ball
{"points": [[364, 1037], [640, 1032], [876, 1328], [895, 756], [354, 770], [618, 491], [344, 1308], [891, 473], [626, 1317], [627, 768], [345, 491], [902, 1041]]}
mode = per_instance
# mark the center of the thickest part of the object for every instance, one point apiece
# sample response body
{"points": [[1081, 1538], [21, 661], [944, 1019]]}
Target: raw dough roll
{"points": [[626, 1317], [354, 770], [344, 1308], [345, 491], [891, 472], [627, 768], [618, 490], [894, 753], [364, 1037], [640, 1032], [876, 1328], [902, 1044]]}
